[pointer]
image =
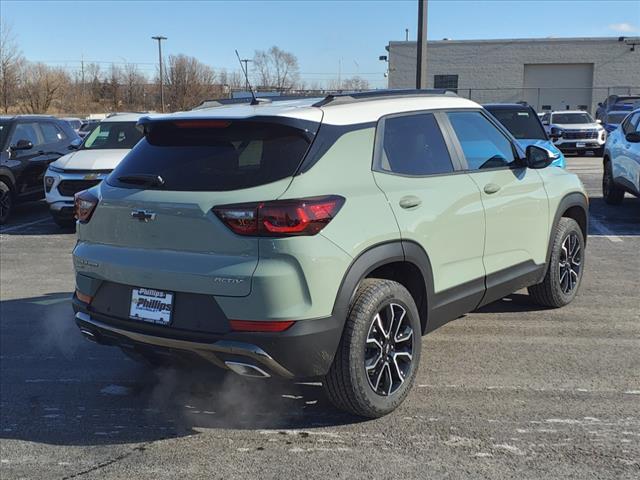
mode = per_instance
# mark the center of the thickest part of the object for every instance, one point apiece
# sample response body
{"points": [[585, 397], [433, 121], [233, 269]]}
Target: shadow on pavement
{"points": [[623, 219], [514, 303], [58, 388]]}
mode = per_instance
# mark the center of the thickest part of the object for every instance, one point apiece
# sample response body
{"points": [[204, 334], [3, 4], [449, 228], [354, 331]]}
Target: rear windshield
{"points": [[112, 135], [616, 118], [522, 123], [214, 155]]}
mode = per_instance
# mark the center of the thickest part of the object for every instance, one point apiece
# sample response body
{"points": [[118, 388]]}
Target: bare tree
{"points": [[113, 86], [134, 83], [188, 82], [42, 86], [276, 68], [10, 64], [355, 83]]}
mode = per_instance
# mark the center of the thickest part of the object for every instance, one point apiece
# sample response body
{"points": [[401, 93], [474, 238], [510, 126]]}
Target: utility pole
{"points": [[159, 38], [246, 72], [421, 64]]}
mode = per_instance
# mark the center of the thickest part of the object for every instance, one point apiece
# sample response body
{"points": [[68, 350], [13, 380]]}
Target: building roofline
{"points": [[511, 40]]}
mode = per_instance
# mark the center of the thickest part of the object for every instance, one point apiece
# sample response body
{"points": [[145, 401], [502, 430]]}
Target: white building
{"points": [[548, 73]]}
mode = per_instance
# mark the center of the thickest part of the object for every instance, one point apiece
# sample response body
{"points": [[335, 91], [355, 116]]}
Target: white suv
{"points": [[622, 161], [575, 131], [100, 153]]}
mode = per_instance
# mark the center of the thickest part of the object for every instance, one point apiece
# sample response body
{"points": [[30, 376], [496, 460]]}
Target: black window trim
{"points": [[379, 139], [518, 154]]}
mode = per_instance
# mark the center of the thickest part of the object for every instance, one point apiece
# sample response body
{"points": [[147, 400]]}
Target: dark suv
{"points": [[28, 143]]}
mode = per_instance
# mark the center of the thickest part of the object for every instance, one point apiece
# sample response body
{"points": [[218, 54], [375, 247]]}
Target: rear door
{"points": [[514, 198], [436, 207], [163, 234]]}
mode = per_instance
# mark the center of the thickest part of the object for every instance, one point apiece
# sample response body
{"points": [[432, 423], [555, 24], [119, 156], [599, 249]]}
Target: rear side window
{"points": [[484, 146], [26, 131], [413, 145], [213, 155]]}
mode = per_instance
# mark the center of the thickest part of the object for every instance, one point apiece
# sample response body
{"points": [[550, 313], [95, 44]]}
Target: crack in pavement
{"points": [[139, 448]]}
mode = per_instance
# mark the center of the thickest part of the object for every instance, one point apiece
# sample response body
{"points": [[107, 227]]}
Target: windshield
{"points": [[522, 123], [4, 131], [113, 135], [216, 155], [616, 117], [571, 118]]}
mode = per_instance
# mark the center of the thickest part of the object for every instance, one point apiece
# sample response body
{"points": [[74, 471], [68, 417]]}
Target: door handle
{"points": [[410, 201], [490, 188]]}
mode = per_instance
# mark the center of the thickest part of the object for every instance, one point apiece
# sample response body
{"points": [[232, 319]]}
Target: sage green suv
{"points": [[321, 238]]}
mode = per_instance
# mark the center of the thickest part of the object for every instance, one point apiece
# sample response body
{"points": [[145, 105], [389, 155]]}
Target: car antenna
{"points": [[254, 100]]}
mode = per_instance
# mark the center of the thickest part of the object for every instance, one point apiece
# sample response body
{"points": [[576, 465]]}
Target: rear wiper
{"points": [[145, 179]]}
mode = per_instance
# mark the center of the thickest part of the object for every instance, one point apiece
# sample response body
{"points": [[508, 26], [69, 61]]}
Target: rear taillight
{"points": [[280, 218], [84, 205]]}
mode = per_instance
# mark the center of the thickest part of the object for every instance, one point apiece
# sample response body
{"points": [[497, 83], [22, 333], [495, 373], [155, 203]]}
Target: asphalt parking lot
{"points": [[510, 391]]}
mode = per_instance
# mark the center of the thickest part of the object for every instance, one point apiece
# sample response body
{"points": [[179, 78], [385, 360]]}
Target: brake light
{"points": [[84, 205], [202, 123], [260, 326], [280, 218]]}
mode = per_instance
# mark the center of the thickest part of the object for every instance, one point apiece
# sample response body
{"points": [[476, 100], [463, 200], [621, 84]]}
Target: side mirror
{"points": [[555, 133], [600, 104], [598, 121], [538, 157], [22, 145], [633, 137], [75, 144], [544, 122]]}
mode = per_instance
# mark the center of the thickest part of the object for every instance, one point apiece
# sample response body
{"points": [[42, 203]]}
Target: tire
{"points": [[612, 193], [565, 269], [348, 384], [6, 201]]}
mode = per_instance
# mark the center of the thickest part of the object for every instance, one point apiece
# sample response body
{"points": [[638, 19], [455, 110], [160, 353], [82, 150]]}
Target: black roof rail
{"points": [[341, 98]]}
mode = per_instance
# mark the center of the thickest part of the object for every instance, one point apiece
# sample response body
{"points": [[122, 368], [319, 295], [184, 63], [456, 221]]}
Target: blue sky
{"points": [[322, 34]]}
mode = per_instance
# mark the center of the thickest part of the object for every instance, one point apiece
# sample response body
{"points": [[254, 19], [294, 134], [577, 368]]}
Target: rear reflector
{"points": [[83, 298], [280, 218], [260, 326]]}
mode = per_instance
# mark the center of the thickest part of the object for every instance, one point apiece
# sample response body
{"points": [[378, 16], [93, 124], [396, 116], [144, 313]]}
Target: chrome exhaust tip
{"points": [[246, 370], [89, 335]]}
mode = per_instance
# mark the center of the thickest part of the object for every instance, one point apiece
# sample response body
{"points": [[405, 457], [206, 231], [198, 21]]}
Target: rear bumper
{"points": [[305, 350]]}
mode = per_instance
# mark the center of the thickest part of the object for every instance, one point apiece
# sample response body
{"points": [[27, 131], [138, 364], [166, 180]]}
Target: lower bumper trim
{"points": [[208, 351]]}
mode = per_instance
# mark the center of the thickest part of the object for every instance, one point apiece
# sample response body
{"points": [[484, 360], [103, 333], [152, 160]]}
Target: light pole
{"points": [[159, 38], [421, 64]]}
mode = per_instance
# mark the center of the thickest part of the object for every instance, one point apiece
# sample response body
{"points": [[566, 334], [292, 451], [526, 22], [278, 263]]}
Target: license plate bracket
{"points": [[151, 306]]}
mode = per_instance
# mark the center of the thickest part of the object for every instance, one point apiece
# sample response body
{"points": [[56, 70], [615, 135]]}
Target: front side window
{"points": [[26, 131], [631, 124], [571, 118], [483, 145], [113, 135], [521, 122], [413, 145]]}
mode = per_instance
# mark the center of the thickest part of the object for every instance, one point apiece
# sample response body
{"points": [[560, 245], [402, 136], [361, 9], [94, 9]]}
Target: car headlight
{"points": [[55, 169], [48, 183]]}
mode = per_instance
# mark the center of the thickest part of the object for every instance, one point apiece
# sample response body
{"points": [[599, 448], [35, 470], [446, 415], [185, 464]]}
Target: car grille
{"points": [[577, 135], [68, 188]]}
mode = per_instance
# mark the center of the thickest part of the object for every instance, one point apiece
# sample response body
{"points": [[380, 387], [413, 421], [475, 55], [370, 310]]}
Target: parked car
{"points": [[28, 143], [575, 131], [321, 237], [523, 123], [74, 123], [86, 127], [99, 153], [612, 119], [624, 103], [621, 161]]}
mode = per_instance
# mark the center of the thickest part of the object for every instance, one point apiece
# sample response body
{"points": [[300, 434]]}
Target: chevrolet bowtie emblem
{"points": [[143, 215]]}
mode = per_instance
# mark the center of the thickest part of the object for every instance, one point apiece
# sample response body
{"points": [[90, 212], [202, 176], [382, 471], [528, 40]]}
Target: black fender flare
{"points": [[7, 173], [377, 256], [574, 199]]}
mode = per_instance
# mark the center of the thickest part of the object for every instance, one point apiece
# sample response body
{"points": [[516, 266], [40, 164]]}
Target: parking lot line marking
{"points": [[604, 230], [23, 225]]}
